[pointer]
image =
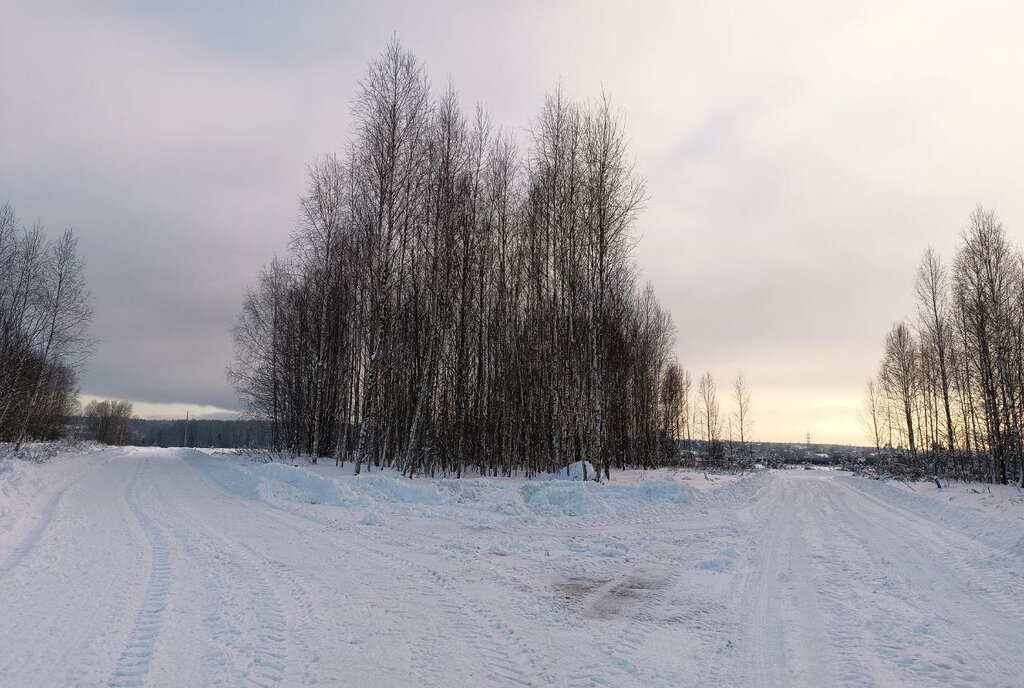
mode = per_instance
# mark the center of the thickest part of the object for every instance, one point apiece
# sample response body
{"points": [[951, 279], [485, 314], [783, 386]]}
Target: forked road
{"points": [[143, 571]]}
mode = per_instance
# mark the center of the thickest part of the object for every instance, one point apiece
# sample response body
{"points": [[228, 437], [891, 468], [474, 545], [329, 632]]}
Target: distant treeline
{"points": [[737, 455], [451, 302], [949, 395], [201, 433], [222, 434]]}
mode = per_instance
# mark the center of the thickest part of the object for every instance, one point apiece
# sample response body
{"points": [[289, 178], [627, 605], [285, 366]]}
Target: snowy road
{"points": [[164, 568]]}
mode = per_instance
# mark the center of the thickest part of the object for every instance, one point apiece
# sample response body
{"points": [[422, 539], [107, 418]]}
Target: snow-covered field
{"points": [[178, 568]]}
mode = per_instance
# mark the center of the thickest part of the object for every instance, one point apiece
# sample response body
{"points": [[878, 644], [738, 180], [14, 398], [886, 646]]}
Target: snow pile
{"points": [[1002, 501], [591, 499], [391, 487], [479, 501], [41, 452], [735, 490], [581, 470], [12, 492], [302, 485], [372, 518], [269, 481]]}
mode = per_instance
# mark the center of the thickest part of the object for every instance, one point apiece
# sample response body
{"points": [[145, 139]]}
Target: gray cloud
{"points": [[798, 160]]}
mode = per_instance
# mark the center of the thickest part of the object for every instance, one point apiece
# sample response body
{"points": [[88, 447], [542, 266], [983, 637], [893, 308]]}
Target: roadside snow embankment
{"points": [[302, 485], [999, 529], [473, 500], [19, 480], [260, 481], [27, 483]]}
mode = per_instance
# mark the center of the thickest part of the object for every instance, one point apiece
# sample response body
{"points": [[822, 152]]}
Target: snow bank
{"points": [[267, 481], [737, 491], [996, 530], [581, 470], [19, 480], [392, 487], [1001, 501], [470, 500], [24, 484], [372, 518], [28, 479]]}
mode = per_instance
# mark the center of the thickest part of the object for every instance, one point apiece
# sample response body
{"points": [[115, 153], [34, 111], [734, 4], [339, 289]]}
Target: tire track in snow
{"points": [[767, 640], [490, 638], [649, 593], [647, 584], [28, 542], [31, 539], [957, 628], [712, 622], [423, 647], [262, 642], [216, 627], [651, 597], [423, 650], [52, 633], [909, 629], [269, 653], [782, 596], [423, 582], [986, 572], [836, 565], [134, 663]]}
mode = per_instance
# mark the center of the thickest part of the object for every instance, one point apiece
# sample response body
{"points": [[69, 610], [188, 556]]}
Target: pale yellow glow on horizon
{"points": [[168, 411], [786, 415], [780, 414]]}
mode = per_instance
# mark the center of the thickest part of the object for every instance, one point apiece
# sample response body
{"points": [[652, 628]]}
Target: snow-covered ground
{"points": [[179, 568]]}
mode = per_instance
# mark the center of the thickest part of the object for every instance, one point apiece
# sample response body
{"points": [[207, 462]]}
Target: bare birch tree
{"points": [[741, 408]]}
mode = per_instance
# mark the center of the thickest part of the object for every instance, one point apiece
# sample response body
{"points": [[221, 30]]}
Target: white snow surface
{"points": [[149, 567]]}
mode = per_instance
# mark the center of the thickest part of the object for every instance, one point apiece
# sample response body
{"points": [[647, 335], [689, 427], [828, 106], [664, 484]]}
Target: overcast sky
{"points": [[798, 159]]}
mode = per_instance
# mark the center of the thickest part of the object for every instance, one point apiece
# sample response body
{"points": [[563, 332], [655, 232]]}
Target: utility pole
{"points": [[184, 432]]}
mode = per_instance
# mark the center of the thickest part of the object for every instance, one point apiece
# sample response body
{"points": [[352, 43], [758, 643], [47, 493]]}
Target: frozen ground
{"points": [[176, 568]]}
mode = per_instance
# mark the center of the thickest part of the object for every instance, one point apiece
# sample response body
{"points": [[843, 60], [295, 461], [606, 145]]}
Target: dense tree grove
{"points": [[449, 304], [45, 309], [949, 394]]}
